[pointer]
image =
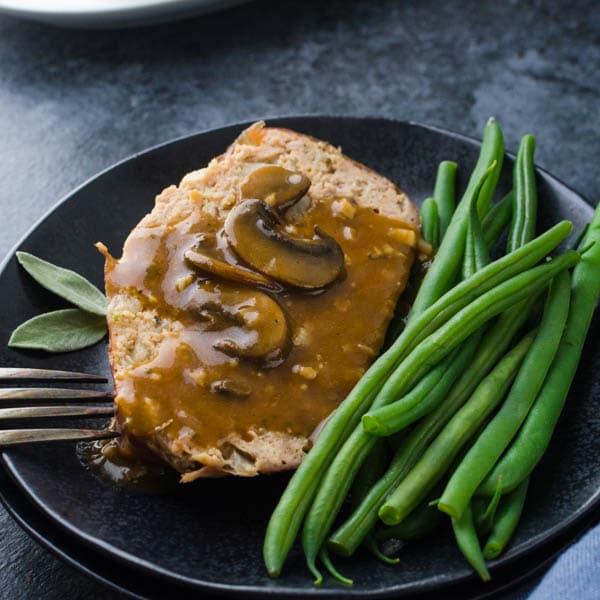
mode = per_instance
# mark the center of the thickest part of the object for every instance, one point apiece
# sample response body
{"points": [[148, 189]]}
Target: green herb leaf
{"points": [[64, 283], [59, 331]]}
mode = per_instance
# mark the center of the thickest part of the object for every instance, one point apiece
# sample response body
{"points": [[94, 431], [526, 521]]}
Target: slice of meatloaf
{"points": [[194, 385]]}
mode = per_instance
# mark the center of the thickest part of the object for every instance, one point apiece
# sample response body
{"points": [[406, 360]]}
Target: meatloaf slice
{"points": [[180, 394]]}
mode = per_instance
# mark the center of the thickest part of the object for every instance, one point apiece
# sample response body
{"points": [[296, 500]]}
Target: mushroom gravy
{"points": [[254, 352]]}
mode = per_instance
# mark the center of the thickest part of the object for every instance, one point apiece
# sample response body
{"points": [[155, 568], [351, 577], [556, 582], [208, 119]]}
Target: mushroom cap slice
{"points": [[256, 234], [251, 323], [278, 187], [219, 268]]}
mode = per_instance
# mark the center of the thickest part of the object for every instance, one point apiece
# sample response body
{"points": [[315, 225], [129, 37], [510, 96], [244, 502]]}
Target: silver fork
{"points": [[14, 437]]}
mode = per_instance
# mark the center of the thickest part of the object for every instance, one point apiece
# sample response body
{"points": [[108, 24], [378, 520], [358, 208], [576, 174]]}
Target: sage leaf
{"points": [[59, 331], [64, 283]]}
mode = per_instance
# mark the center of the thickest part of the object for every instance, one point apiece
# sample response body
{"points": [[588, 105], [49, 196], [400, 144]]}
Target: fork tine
{"points": [[15, 437], [53, 394], [26, 412], [10, 374]]}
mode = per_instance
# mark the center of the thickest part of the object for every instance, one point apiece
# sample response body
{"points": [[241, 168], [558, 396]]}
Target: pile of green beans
{"points": [[451, 409], [349, 536], [495, 439], [337, 480], [289, 513], [442, 451], [535, 434], [443, 272]]}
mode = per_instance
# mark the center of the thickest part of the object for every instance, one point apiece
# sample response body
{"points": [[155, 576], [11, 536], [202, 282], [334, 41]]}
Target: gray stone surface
{"points": [[73, 103]]}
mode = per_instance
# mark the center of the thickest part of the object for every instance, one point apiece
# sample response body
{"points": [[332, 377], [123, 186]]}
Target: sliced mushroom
{"points": [[252, 324], [256, 234], [276, 186], [219, 268]]}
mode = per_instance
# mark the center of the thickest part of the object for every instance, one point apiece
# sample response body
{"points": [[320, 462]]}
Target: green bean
{"points": [[484, 198], [289, 512], [336, 481], [326, 560], [496, 437], [370, 471], [338, 478], [442, 451], [351, 533], [416, 526], [466, 538], [425, 396], [422, 394], [507, 520], [532, 440], [468, 319], [430, 222], [421, 325], [496, 220], [373, 547], [442, 274], [444, 193], [522, 228], [578, 241], [476, 252], [484, 510]]}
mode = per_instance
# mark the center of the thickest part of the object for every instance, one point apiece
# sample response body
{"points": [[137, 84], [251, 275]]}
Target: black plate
{"points": [[208, 535], [118, 576]]}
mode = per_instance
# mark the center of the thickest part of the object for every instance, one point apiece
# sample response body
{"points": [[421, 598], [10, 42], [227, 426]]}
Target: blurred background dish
{"points": [[110, 13]]}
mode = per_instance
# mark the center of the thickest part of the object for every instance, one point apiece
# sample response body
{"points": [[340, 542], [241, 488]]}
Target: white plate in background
{"points": [[110, 13]]}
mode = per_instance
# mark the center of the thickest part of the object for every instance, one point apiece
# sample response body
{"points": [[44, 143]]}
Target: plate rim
{"points": [[11, 499], [144, 566]]}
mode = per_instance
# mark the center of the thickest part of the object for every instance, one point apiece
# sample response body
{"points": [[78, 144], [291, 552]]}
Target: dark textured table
{"points": [[72, 103]]}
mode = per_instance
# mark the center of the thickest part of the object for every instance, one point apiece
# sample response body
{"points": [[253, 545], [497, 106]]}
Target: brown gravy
{"points": [[334, 333]]}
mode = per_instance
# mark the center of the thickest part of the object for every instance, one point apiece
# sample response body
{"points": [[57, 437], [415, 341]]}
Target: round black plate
{"points": [[208, 535], [119, 577]]}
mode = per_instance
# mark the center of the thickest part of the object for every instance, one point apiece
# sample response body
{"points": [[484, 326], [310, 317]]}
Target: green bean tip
{"points": [[311, 563], [274, 570], [332, 570], [274, 573], [388, 560], [491, 551], [448, 509], [389, 515], [338, 548], [372, 425]]}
